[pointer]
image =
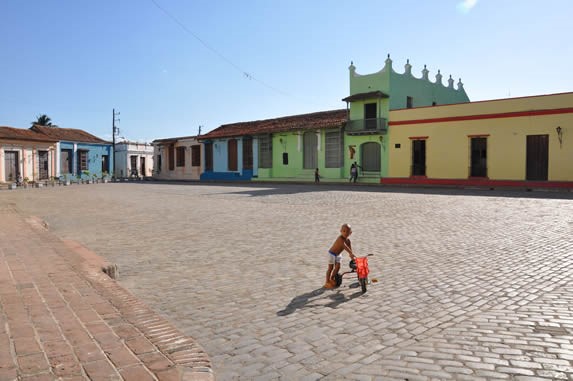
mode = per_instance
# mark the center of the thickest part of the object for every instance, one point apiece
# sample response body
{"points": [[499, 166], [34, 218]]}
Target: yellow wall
{"points": [[448, 144]]}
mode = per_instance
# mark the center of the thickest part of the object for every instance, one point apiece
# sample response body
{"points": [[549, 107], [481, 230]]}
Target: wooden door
{"points": [[43, 165], [66, 161], [370, 157], [478, 166], [208, 156], [310, 154], [11, 165], [232, 153], [104, 164], [142, 165], [537, 157], [418, 158]]}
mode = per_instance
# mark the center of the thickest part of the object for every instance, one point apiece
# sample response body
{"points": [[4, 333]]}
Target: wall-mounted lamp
{"points": [[559, 135]]}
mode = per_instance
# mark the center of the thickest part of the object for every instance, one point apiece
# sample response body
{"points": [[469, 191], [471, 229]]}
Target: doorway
{"points": [[370, 157], [537, 157], [11, 165], [43, 165], [142, 160], [478, 166], [418, 157]]}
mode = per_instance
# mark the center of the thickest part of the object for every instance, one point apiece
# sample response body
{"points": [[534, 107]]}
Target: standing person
{"points": [[316, 176], [341, 243], [357, 167], [353, 172]]}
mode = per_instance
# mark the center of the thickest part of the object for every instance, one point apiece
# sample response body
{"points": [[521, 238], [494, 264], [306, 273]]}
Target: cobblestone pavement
{"points": [[474, 285]]}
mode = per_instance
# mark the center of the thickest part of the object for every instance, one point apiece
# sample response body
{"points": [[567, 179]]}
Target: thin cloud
{"points": [[466, 6]]}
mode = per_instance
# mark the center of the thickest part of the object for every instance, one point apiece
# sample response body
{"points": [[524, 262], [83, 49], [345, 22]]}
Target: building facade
{"points": [[401, 129], [371, 100], [79, 155], [177, 158], [133, 160], [26, 156], [504, 142]]}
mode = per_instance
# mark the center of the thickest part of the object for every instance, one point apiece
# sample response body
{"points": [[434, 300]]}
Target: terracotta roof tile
{"points": [[24, 134], [68, 134], [316, 120]]}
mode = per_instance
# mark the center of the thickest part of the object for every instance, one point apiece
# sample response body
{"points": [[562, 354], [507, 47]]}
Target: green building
{"points": [[371, 98]]}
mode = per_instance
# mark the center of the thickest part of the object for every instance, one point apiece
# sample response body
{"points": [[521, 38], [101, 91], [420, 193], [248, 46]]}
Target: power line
{"points": [[215, 51]]}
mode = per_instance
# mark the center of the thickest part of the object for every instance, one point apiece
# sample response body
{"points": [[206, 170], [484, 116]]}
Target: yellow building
{"points": [[524, 141]]}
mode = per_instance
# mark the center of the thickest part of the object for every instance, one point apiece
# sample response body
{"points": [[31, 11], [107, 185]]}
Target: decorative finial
{"points": [[425, 73], [439, 77], [408, 67], [388, 62], [460, 85], [451, 82], [352, 68]]}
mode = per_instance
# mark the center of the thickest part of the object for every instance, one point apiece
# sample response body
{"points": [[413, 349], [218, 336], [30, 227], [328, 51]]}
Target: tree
{"points": [[43, 120]]}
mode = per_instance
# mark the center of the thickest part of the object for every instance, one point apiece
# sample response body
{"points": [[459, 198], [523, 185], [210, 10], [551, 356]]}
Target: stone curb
{"points": [[162, 349]]}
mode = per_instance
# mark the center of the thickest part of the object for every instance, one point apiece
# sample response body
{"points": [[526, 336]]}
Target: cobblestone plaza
{"points": [[472, 285]]}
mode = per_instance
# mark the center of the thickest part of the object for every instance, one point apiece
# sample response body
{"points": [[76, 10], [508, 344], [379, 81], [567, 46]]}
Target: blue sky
{"points": [[209, 62]]}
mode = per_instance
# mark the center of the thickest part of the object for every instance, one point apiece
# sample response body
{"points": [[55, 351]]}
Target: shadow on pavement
{"points": [[273, 188], [305, 300]]}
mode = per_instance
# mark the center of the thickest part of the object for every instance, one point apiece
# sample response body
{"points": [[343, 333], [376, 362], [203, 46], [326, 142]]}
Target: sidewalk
{"points": [[62, 318]]}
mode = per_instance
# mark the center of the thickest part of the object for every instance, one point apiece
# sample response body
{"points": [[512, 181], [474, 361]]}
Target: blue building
{"points": [[78, 153], [230, 153]]}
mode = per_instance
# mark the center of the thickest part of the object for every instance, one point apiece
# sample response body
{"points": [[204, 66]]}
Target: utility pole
{"points": [[115, 132]]}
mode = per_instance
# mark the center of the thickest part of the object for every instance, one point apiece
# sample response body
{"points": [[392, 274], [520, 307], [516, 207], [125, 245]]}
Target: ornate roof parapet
{"points": [[408, 68], [439, 78], [382, 81], [425, 73], [450, 82]]}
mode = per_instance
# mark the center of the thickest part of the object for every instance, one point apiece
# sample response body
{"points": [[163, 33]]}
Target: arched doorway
{"points": [[370, 157]]}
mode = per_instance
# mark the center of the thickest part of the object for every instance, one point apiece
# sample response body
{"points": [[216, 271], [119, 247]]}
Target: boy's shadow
{"points": [[305, 300]]}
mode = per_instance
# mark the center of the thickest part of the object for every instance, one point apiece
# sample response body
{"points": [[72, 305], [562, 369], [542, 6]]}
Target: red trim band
{"points": [[482, 182], [515, 114]]}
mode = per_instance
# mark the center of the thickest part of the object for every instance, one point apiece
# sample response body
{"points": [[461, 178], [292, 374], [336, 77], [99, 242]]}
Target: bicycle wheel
{"points": [[338, 279]]}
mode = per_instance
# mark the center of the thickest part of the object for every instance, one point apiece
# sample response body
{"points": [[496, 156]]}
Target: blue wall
{"points": [[95, 154], [220, 162]]}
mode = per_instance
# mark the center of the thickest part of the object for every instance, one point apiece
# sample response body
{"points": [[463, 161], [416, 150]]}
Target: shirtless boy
{"points": [[341, 243]]}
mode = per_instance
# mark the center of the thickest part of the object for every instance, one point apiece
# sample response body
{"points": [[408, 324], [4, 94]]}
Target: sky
{"points": [[171, 66]]}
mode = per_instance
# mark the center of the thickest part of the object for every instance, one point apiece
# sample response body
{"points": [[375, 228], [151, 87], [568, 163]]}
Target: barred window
{"points": [[265, 151], [82, 160], [180, 156], [333, 149]]}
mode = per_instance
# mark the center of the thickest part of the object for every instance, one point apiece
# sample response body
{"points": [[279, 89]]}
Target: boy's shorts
{"points": [[334, 258]]}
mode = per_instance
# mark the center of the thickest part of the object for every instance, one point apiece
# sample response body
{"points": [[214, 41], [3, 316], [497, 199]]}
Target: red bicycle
{"points": [[358, 265]]}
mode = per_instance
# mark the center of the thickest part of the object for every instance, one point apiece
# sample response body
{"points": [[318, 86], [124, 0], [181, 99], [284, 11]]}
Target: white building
{"points": [[133, 159]]}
